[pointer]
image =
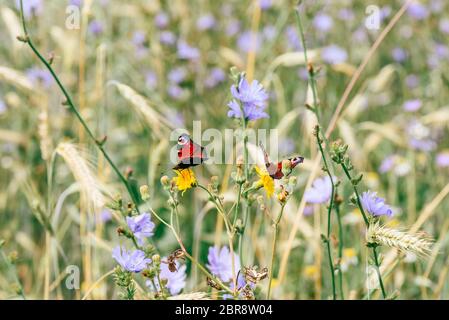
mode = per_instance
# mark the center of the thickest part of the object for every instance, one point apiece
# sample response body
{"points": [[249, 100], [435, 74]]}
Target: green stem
{"points": [[329, 211], [273, 250], [74, 109], [376, 261], [340, 250], [359, 204]]}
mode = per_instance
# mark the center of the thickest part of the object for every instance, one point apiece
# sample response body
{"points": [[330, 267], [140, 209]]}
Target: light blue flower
{"points": [[375, 205], [141, 226], [134, 261], [252, 97], [220, 263], [320, 192]]}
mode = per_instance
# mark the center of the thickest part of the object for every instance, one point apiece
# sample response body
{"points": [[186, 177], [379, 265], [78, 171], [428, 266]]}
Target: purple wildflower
{"points": [[334, 54], [269, 32], [105, 215], [176, 281], [167, 38], [418, 11], [2, 107], [151, 79], [138, 38], [323, 22], [141, 226], [399, 54], [441, 51], [308, 210], [177, 75], [442, 159], [249, 41], [215, 77], [346, 14], [161, 20], [252, 97], [232, 27], [77, 3], [375, 205], [175, 117], [412, 81], [134, 261], [444, 25], [265, 4], [40, 76], [387, 164], [412, 105], [95, 27], [31, 7], [420, 137], [220, 263], [294, 42], [175, 92], [320, 192], [187, 52], [205, 22], [424, 145]]}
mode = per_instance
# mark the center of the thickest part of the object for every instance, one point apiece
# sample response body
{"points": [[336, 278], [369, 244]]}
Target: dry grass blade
{"points": [[156, 122], [16, 78]]}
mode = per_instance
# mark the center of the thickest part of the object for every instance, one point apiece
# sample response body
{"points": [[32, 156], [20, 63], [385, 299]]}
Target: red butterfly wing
{"points": [[191, 154]]}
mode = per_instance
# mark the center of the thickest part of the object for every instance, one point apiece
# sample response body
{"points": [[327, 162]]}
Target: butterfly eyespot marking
{"points": [[183, 139]]}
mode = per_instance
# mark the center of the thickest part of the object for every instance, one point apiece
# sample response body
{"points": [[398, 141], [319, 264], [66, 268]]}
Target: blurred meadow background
{"points": [[138, 69]]}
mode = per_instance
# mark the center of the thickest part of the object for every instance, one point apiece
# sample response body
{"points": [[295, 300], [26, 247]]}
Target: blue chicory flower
{"points": [[442, 159], [187, 52], [320, 192], [417, 11], [167, 37], [141, 226], [176, 281], [132, 261], [220, 263], [205, 22], [252, 98], [323, 22], [95, 27], [40, 76], [334, 54], [215, 77], [31, 7], [249, 41], [375, 205], [412, 105], [161, 20]]}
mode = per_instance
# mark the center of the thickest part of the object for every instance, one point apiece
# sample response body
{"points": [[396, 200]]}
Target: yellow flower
{"points": [[185, 179], [349, 252], [264, 181], [310, 271]]}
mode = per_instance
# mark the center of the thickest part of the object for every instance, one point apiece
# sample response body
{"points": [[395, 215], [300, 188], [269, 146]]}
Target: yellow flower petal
{"points": [[185, 179], [265, 181]]}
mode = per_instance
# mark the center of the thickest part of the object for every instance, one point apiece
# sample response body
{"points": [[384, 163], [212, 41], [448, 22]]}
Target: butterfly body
{"points": [[190, 154], [275, 170]]}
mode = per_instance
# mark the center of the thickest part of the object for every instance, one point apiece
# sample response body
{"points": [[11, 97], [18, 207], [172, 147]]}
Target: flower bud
{"points": [[149, 273], [156, 260], [165, 181], [282, 195], [286, 167], [145, 192]]}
